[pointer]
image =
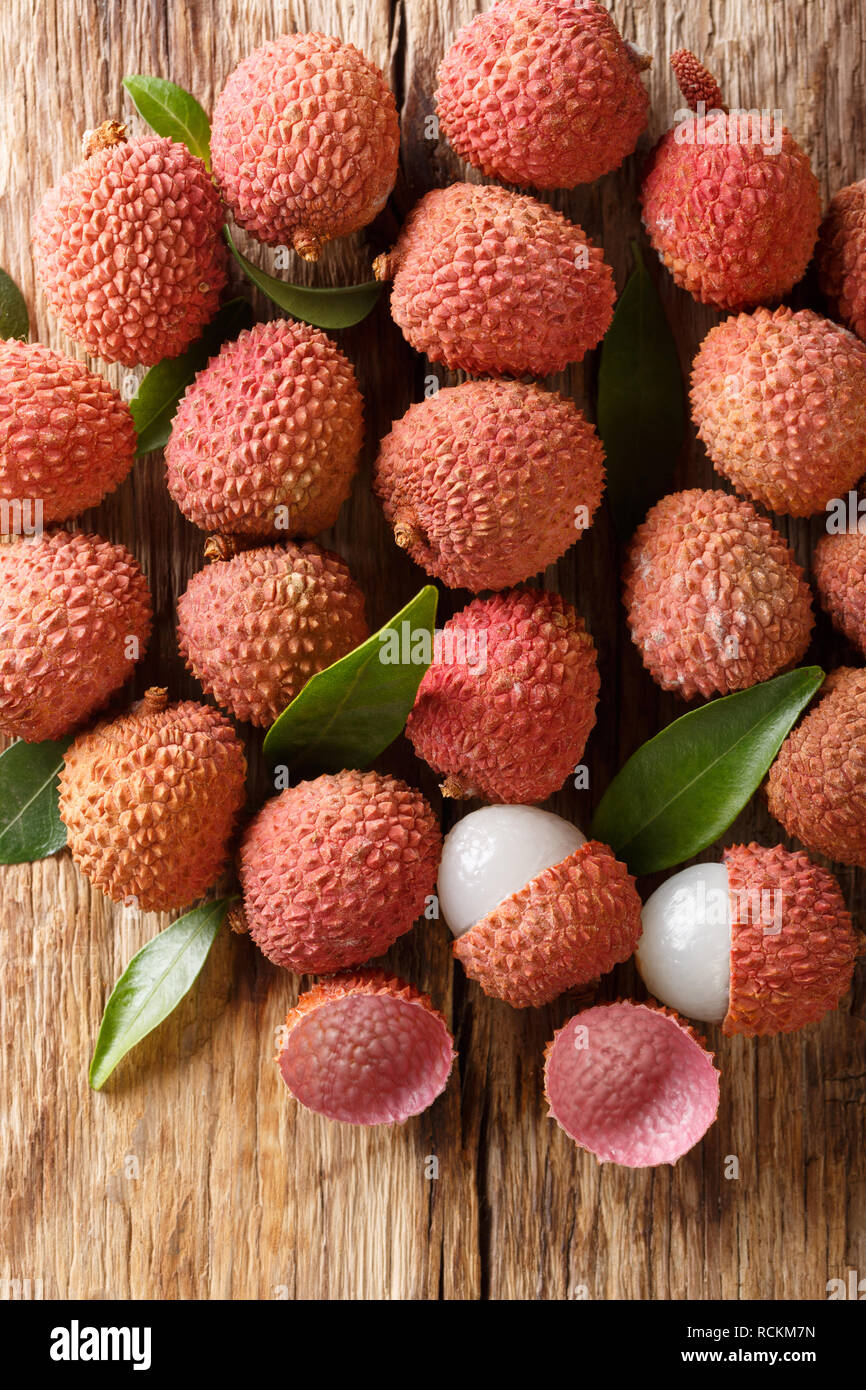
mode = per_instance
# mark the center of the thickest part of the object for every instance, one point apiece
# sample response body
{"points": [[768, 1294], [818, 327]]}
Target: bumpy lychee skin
{"points": [[253, 628], [542, 94], [265, 441], [732, 211], [839, 567], [334, 870], [149, 801], [487, 483], [128, 248], [841, 256], [570, 924], [632, 1084], [497, 283], [817, 785], [506, 708], [792, 942], [367, 1049], [779, 399], [715, 599], [305, 141], [66, 437], [75, 616]]}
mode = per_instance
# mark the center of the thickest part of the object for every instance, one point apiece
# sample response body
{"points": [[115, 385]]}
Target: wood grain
{"points": [[193, 1175]]}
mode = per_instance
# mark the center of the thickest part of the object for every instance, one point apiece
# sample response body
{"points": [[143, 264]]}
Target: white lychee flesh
{"points": [[684, 953], [494, 852]]}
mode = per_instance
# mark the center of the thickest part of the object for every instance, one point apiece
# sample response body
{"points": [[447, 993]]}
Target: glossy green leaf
{"points": [[641, 406], [30, 824], [681, 790], [14, 318], [348, 714], [153, 984], [171, 111], [339, 307]]}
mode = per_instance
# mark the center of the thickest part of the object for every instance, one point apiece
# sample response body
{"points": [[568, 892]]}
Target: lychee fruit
{"points": [[779, 399], [729, 200], [542, 94], [334, 870], [367, 1049], [486, 483], [149, 801], [128, 248], [631, 1084], [761, 943], [254, 626], [305, 142], [535, 908], [817, 785], [497, 283], [75, 616], [841, 256], [839, 567], [266, 440], [66, 437], [715, 599], [506, 708]]}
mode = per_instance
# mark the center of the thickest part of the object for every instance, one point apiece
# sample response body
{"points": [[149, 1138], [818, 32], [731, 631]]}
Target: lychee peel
{"points": [[335, 869], [128, 249], [632, 1084], [542, 94], [841, 256], [506, 712], [75, 616], [839, 567], [567, 926], [715, 599], [366, 1049], [497, 283], [305, 141], [66, 437], [487, 483], [266, 440]]}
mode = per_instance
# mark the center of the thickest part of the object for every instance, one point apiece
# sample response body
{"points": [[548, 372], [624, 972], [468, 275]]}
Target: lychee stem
{"points": [[103, 137], [452, 787], [155, 699], [406, 532], [237, 919], [384, 267], [220, 548], [696, 82], [639, 56], [307, 244]]}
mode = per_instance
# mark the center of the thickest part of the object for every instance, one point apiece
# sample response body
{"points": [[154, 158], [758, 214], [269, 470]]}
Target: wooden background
{"points": [[193, 1174]]}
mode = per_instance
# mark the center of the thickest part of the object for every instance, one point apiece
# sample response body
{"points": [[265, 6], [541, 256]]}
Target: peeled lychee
{"points": [[487, 483], [729, 201], [506, 708], [75, 616], [536, 910], [716, 601], [841, 256], [779, 399], [149, 801], [305, 141], [839, 567], [255, 626], [265, 441], [497, 283], [334, 870], [367, 1049], [761, 943], [817, 785], [66, 437], [630, 1083], [542, 92], [128, 248]]}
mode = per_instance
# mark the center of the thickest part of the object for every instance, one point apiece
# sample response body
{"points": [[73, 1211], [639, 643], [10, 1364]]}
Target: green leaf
{"points": [[348, 714], [153, 984], [30, 824], [14, 318], [641, 409], [156, 400], [339, 307], [682, 789], [171, 111]]}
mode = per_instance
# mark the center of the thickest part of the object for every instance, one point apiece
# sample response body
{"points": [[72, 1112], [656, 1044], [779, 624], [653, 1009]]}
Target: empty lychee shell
{"points": [[631, 1083], [366, 1049]]}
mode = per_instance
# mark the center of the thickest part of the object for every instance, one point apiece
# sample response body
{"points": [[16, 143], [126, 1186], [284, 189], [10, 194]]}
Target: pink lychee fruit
{"points": [[841, 256], [839, 567]]}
